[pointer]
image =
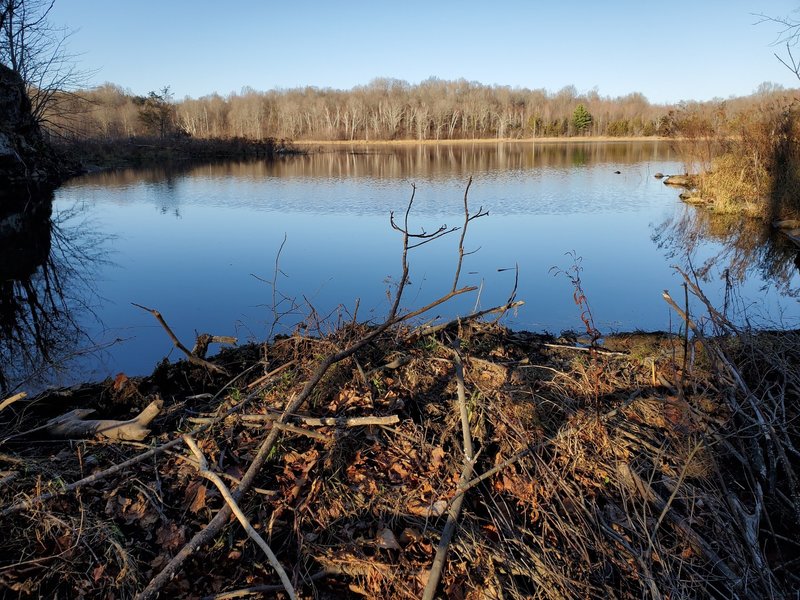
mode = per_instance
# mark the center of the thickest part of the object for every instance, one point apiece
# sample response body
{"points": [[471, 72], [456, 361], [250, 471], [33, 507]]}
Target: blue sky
{"points": [[669, 51]]}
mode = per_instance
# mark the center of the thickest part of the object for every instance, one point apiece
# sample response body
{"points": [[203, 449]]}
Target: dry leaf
{"points": [[437, 458], [199, 501], [387, 540], [409, 536], [437, 509], [119, 381], [171, 537], [397, 472]]}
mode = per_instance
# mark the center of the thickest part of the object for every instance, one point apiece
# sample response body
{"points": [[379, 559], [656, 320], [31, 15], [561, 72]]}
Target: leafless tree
{"points": [[386, 109], [37, 50]]}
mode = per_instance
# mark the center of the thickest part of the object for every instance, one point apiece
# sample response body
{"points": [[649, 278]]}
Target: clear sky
{"points": [[669, 51]]}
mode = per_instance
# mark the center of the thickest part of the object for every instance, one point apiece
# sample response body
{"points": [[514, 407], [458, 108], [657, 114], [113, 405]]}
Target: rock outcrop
{"points": [[27, 162]]}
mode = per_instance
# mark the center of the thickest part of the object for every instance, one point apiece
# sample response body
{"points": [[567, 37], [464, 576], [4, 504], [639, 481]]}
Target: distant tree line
{"points": [[385, 109]]}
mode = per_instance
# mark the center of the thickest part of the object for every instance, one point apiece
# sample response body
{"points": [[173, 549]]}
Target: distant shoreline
{"points": [[536, 140]]}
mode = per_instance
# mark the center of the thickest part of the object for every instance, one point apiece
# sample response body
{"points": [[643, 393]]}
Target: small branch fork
{"points": [[193, 358], [204, 471], [467, 218]]}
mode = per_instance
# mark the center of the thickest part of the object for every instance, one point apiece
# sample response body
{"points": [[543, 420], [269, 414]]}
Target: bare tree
{"points": [[36, 49]]}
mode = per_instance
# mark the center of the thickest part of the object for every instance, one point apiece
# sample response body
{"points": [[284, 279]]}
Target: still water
{"points": [[201, 244]]}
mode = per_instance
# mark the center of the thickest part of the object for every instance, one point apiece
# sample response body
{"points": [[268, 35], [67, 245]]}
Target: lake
{"points": [[201, 243]]}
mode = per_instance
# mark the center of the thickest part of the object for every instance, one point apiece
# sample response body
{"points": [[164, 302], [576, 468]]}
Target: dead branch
{"points": [[467, 218], [304, 432], [74, 424], [260, 589], [263, 378], [196, 360], [10, 400], [453, 513], [599, 349], [431, 329], [204, 471], [315, 421], [203, 341], [351, 421], [398, 361]]}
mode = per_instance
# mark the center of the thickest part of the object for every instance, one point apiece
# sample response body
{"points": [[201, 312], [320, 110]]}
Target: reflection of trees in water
{"points": [[400, 161], [45, 289], [746, 246]]}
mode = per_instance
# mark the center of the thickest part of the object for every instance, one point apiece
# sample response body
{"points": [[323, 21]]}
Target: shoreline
{"points": [[483, 141], [372, 444]]}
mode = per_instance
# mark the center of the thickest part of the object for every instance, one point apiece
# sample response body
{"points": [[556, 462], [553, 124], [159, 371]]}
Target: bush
{"points": [[749, 160]]}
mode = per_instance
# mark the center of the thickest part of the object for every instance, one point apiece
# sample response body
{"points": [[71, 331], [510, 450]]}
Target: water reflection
{"points": [[375, 180], [401, 162], [45, 290], [744, 247], [198, 241]]}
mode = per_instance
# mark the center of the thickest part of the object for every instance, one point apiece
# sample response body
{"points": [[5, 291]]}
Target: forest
{"points": [[384, 109]]}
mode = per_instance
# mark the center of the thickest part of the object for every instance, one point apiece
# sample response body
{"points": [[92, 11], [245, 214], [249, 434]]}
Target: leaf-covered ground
{"points": [[626, 471]]}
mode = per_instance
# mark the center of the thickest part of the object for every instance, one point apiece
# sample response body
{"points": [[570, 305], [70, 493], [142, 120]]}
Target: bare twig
{"points": [[226, 494], [259, 589], [467, 219], [455, 508], [598, 349], [431, 329], [192, 358]]}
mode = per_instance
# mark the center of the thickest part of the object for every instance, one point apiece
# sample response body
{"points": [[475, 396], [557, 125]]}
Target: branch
{"points": [[10, 400], [435, 573], [431, 329], [31, 502], [467, 219], [192, 358], [316, 421], [75, 425], [204, 471]]}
